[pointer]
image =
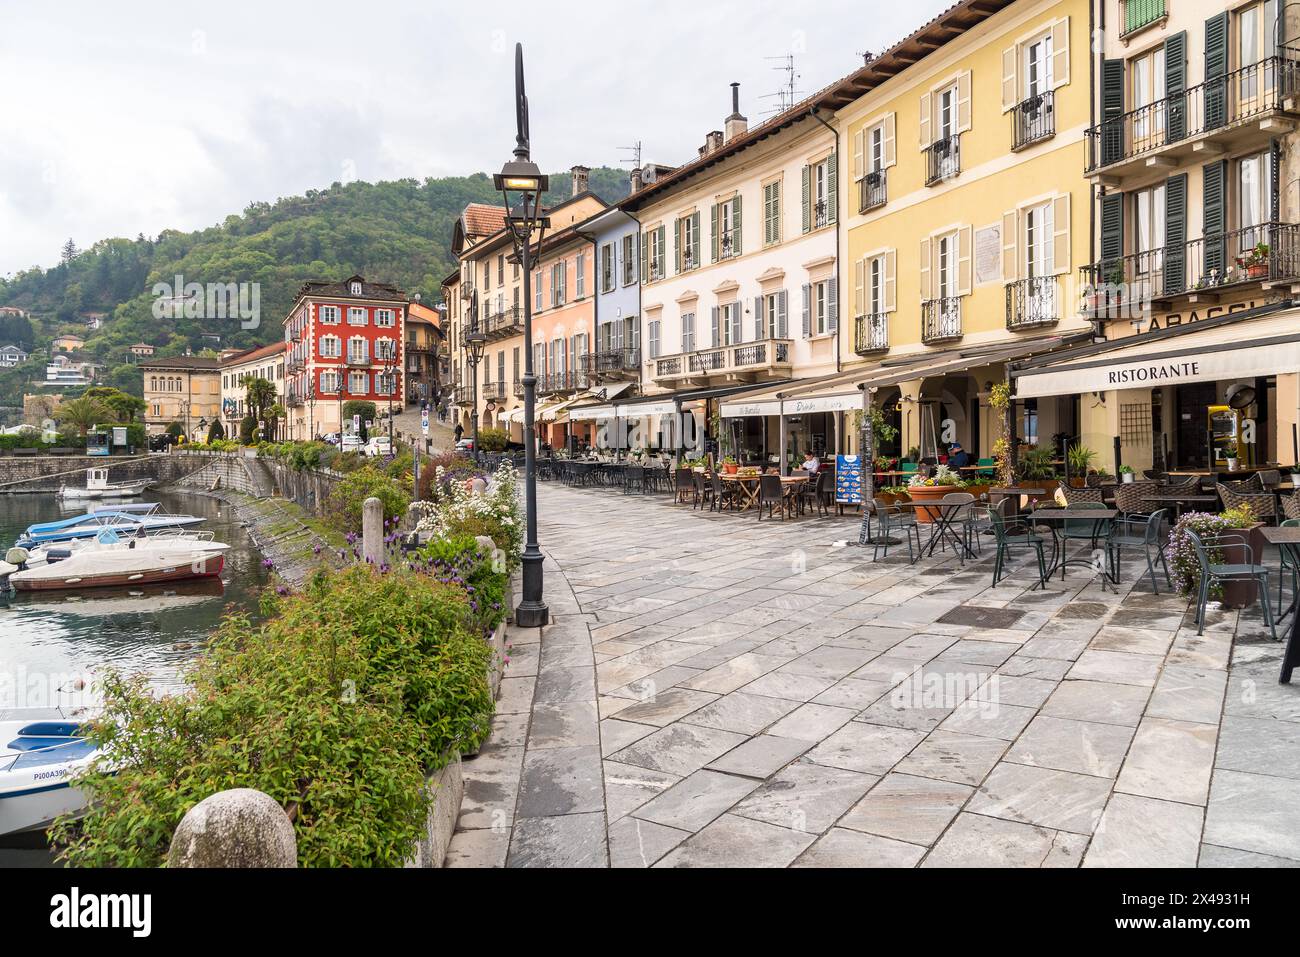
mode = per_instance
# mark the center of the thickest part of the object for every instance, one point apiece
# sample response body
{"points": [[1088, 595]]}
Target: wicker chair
{"points": [[1291, 505], [1130, 496], [1263, 504], [1077, 496]]}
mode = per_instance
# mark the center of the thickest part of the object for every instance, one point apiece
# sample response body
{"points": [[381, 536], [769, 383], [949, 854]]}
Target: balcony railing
{"points": [[820, 214], [612, 362], [1033, 302], [941, 319], [462, 395], [873, 191], [294, 364], [517, 388], [1126, 286], [293, 400], [943, 159], [570, 381], [358, 360], [1216, 104], [1033, 120], [729, 243], [505, 323], [492, 390], [748, 357], [871, 334], [1139, 14]]}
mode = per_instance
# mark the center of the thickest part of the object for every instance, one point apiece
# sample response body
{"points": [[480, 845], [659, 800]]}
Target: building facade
{"points": [[237, 368], [184, 390], [344, 342], [424, 354]]}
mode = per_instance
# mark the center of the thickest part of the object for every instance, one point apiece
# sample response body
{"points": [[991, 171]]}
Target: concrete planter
{"points": [[446, 790]]}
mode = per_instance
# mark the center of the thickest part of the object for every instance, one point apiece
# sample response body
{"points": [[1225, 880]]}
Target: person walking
{"points": [[460, 430]]}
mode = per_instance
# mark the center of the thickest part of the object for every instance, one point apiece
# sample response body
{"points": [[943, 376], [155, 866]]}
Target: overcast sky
{"points": [[134, 116]]}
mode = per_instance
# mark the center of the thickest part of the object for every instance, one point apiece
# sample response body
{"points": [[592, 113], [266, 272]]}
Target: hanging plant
{"points": [[1000, 401]]}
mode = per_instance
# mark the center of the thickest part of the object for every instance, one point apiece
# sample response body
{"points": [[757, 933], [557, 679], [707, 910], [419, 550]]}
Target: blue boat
{"points": [[92, 523]]}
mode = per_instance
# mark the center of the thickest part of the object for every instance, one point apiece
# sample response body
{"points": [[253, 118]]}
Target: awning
{"points": [[514, 415], [584, 409], [669, 402], [551, 413], [843, 392], [1212, 349]]}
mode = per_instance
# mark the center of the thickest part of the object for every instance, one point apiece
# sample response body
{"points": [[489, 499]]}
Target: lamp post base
{"points": [[532, 611]]}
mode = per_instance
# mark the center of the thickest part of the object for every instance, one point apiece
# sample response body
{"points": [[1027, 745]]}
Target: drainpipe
{"points": [[1093, 27], [816, 114]]}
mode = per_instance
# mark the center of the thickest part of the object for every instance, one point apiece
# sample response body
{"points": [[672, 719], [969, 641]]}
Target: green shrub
{"points": [[348, 461], [482, 571], [247, 430], [493, 440], [348, 496], [337, 707]]}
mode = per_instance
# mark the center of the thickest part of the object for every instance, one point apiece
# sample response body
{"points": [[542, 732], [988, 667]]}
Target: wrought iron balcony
{"points": [[941, 319], [743, 361], [295, 364], [871, 334], [1220, 108], [820, 214], [505, 323], [358, 361], [293, 400], [493, 390], [612, 363], [570, 381], [1126, 287], [1033, 120], [1033, 302], [462, 395], [943, 159], [518, 388], [873, 190]]}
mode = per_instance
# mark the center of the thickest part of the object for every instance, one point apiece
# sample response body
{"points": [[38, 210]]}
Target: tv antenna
{"points": [[635, 158], [787, 96]]}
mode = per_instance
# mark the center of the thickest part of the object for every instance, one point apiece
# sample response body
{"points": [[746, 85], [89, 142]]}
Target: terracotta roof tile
{"points": [[483, 220]]}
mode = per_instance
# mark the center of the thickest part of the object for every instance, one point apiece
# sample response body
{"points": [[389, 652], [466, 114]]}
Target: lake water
{"points": [[49, 641]]}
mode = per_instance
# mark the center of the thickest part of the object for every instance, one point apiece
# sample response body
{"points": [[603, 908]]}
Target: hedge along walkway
{"points": [[719, 691]]}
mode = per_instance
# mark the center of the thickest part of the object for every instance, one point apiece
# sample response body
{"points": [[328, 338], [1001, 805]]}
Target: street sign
{"points": [[356, 424], [424, 421]]}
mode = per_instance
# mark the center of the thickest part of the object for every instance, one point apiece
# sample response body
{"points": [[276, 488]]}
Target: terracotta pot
{"points": [[977, 488], [1257, 272], [928, 493], [730, 468], [1242, 593]]}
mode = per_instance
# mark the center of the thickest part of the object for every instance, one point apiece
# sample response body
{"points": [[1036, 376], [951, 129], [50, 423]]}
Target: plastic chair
{"points": [[723, 495], [683, 484], [1014, 533], [1287, 565], [772, 494], [1144, 532], [1214, 572]]}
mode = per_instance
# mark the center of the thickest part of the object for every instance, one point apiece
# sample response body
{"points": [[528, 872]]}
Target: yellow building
{"points": [[967, 216], [181, 389]]}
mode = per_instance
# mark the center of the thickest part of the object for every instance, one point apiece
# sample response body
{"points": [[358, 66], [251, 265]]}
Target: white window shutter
{"points": [[807, 310], [832, 304], [716, 330], [964, 263], [860, 287], [1061, 234], [782, 320], [1010, 81], [758, 319], [1010, 246], [888, 124], [926, 109], [859, 167], [963, 102], [890, 295], [924, 284], [1060, 52]]}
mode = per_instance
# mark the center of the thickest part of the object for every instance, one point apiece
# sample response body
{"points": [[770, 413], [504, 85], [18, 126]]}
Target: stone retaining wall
{"points": [[46, 473], [260, 478]]}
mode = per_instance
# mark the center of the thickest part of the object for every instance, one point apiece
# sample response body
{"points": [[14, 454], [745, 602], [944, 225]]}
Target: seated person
{"points": [[957, 456], [811, 463]]}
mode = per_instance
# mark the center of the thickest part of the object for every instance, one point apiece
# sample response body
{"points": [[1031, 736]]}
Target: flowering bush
{"points": [[494, 513], [1184, 569], [943, 476], [349, 496]]}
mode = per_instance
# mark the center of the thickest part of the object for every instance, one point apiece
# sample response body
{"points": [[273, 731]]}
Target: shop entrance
{"points": [[1190, 405]]}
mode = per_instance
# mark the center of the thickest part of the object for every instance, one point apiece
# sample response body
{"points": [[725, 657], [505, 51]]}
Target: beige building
{"points": [[184, 389], [263, 362]]}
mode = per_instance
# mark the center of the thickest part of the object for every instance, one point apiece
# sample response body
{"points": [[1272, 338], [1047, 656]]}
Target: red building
{"points": [[344, 342]]}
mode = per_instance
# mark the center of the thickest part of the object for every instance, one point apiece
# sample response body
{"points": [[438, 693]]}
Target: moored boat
{"points": [[41, 750], [138, 561], [98, 486], [92, 523]]}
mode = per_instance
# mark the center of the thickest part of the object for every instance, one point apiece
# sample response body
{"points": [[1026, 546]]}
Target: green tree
{"points": [[83, 414], [216, 431], [125, 407]]}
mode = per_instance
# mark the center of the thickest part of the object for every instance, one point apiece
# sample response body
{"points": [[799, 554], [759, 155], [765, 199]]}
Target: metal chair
{"points": [[1286, 565], [1211, 572], [701, 491], [634, 479], [889, 519], [956, 519], [1015, 533], [1144, 532], [1233, 495]]}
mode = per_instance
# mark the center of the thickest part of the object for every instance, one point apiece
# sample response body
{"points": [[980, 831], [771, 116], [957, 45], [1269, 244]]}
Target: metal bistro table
{"points": [[1288, 539], [1178, 501], [1094, 515], [943, 525]]}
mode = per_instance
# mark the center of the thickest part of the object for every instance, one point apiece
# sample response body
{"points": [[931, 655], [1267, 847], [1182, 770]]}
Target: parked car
{"points": [[350, 443], [377, 446], [465, 445], [161, 442], [332, 438]]}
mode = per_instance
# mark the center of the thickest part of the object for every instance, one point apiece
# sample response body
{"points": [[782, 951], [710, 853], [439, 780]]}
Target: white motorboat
{"points": [[41, 750], [98, 486], [19, 558], [113, 560]]}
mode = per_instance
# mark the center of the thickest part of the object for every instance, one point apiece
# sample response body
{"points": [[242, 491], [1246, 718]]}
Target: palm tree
{"points": [[259, 394], [83, 413]]}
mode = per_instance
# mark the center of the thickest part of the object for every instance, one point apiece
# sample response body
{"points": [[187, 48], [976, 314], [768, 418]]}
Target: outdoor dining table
{"points": [[1288, 539], [1178, 501], [748, 486], [943, 525], [1094, 515], [1014, 492]]}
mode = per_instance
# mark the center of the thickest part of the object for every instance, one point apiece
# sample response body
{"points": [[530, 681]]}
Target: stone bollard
{"points": [[478, 486], [372, 531], [242, 827]]}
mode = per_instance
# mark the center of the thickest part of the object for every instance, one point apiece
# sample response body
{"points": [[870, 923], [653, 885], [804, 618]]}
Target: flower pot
{"points": [[1259, 271], [1242, 593], [1295, 479], [928, 493], [1127, 478], [1232, 465], [730, 468]]}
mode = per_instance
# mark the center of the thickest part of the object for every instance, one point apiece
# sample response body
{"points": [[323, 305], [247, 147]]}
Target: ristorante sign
{"points": [[1152, 372]]}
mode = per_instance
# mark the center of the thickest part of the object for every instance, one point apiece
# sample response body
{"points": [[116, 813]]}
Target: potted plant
{"points": [[1233, 462], [729, 465], [890, 494], [1126, 474], [1080, 458], [1242, 528], [1255, 262], [932, 489]]}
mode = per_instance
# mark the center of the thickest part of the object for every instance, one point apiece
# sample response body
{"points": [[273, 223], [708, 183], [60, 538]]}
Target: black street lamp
{"points": [[522, 184], [476, 339]]}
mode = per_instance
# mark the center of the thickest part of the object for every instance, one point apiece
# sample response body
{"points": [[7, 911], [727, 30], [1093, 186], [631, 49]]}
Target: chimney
{"points": [[736, 124], [712, 143], [636, 179], [580, 175]]}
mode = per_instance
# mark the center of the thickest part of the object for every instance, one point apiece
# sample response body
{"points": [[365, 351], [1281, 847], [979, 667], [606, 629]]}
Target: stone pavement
{"points": [[716, 691]]}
